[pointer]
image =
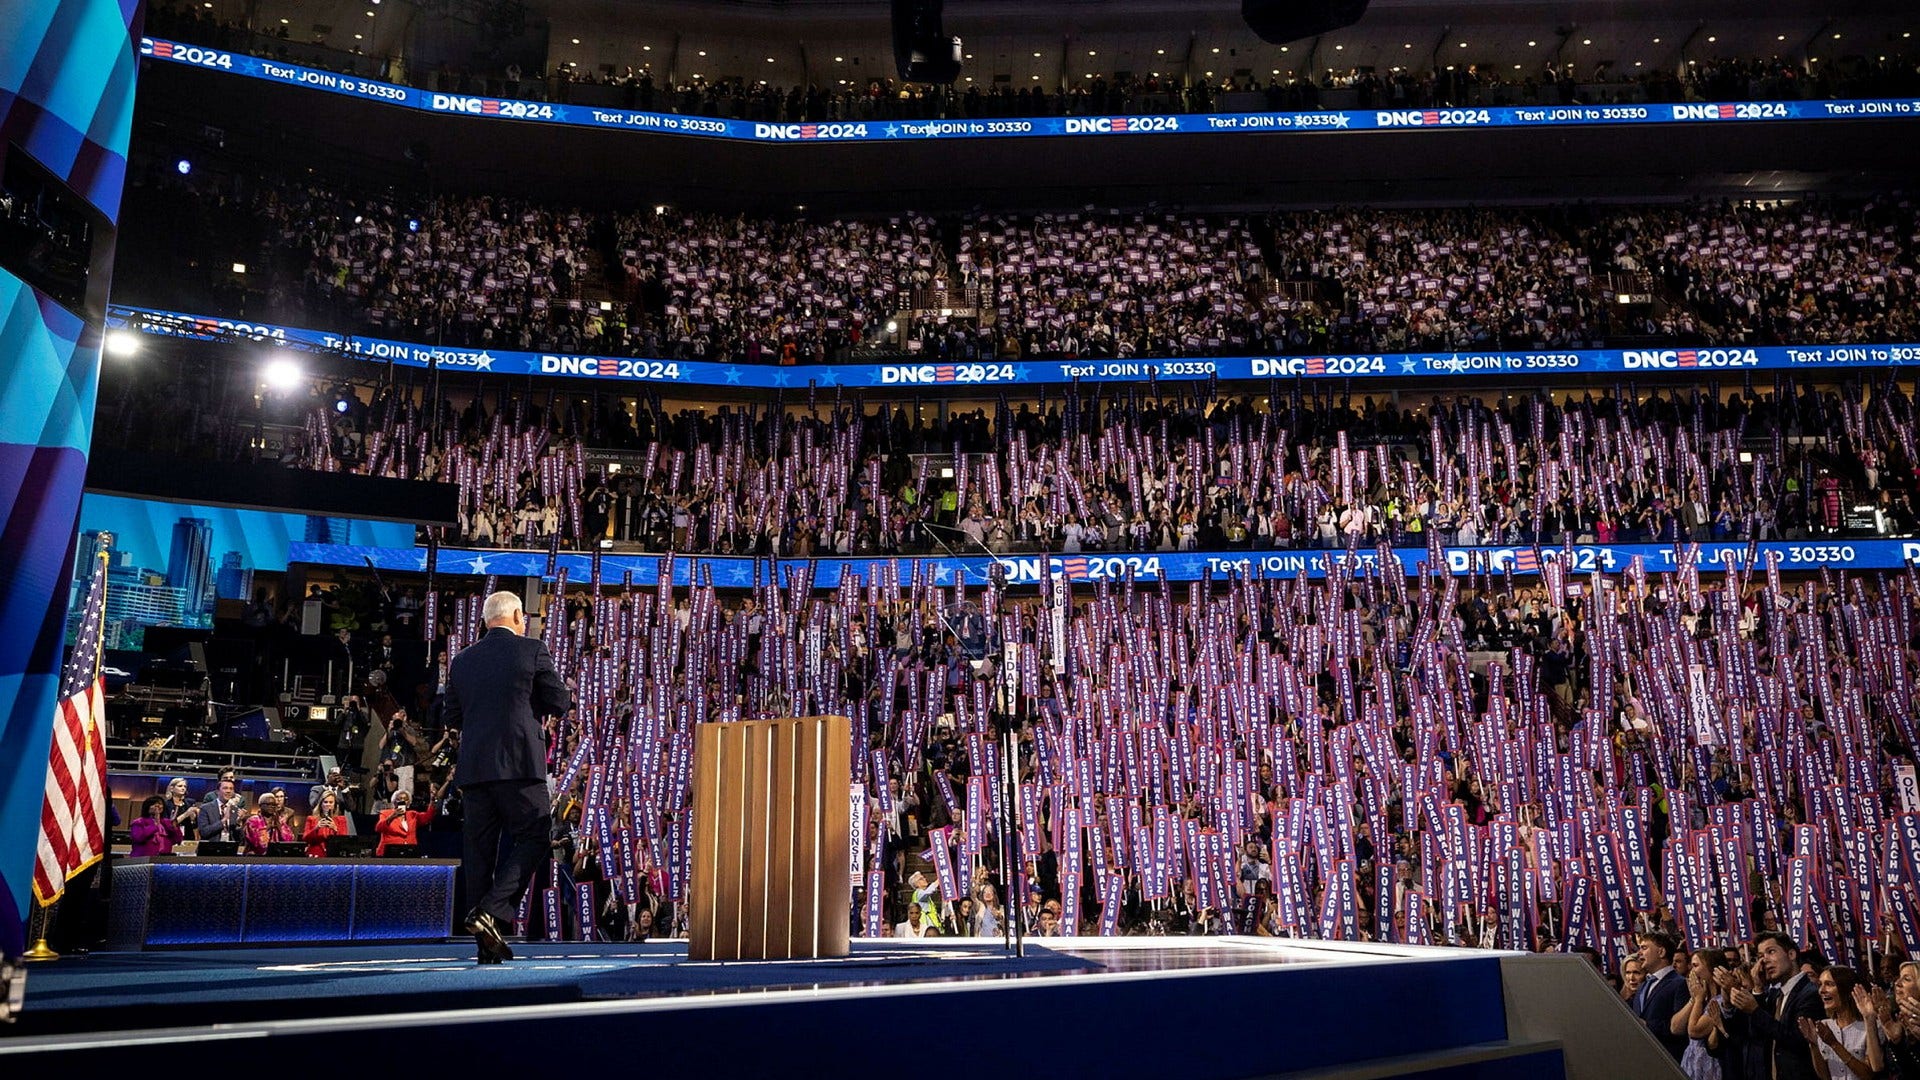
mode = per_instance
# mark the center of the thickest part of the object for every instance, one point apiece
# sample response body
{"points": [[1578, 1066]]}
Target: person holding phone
{"points": [[325, 823], [401, 823]]}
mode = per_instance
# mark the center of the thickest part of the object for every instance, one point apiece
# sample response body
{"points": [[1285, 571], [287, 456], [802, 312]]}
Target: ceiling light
{"points": [[1781, 37], [1586, 41], [1216, 50], [1036, 56], [1711, 38], [1285, 48], [1836, 37], [1339, 48], [1530, 44], [576, 41], [1159, 52], [839, 59], [239, 268], [1090, 52], [703, 52], [1656, 41], [769, 59], [1463, 44], [358, 37]]}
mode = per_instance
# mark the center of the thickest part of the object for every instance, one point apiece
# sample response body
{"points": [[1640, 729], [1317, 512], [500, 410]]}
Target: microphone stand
{"points": [[1012, 918]]}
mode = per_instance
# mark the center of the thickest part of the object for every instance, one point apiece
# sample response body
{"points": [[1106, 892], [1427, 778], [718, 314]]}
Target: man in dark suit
{"points": [[498, 688], [1663, 993], [1771, 1019]]}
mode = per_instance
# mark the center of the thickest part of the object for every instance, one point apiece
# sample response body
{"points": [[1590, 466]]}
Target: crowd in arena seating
{"points": [[1118, 285], [1141, 469], [1807, 273], [1448, 279], [493, 272]]}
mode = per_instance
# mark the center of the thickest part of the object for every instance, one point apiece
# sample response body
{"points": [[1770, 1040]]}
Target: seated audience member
{"points": [[154, 831]]}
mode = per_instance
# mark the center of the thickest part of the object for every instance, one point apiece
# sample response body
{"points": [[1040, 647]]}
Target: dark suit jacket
{"points": [[1667, 997], [498, 688], [1783, 1053]]}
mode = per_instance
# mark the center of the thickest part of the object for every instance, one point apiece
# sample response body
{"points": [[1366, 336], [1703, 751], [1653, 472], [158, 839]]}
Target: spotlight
{"points": [[413, 224], [239, 268], [183, 166], [281, 373], [122, 343], [893, 326], [343, 406]]}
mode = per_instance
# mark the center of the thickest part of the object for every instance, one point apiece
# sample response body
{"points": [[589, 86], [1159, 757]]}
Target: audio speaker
{"points": [[1281, 21], [922, 51]]}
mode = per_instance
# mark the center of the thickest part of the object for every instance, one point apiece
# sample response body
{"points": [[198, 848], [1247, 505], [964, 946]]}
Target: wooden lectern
{"points": [[770, 845]]}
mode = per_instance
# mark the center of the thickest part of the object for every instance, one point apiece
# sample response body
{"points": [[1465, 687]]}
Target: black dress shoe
{"points": [[486, 932]]}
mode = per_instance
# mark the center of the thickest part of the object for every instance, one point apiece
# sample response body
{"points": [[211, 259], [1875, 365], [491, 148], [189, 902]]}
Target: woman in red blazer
{"points": [[323, 824], [402, 823]]}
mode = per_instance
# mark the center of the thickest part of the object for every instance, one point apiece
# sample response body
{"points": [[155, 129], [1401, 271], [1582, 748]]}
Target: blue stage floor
{"points": [[249, 981], [1221, 1008]]}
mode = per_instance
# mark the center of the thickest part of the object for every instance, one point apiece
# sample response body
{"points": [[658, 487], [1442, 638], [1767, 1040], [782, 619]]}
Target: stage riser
{"points": [[1227, 1025]]}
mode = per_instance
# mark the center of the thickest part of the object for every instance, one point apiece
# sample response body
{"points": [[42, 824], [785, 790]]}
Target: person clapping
{"points": [[154, 831], [270, 823]]}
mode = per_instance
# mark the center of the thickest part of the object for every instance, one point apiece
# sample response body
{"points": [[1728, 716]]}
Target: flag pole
{"points": [[43, 918]]}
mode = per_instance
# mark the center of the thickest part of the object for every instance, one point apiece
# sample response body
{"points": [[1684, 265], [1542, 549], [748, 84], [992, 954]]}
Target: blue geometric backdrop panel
{"points": [[67, 72]]}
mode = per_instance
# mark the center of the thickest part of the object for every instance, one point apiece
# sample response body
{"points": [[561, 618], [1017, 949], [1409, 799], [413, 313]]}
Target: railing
{"points": [[161, 757]]}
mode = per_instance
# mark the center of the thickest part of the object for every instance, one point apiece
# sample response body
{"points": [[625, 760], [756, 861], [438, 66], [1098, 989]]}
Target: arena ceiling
{"points": [[1054, 42]]}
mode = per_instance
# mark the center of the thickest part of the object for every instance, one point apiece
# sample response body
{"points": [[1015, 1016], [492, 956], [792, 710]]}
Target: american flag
{"points": [[73, 816]]}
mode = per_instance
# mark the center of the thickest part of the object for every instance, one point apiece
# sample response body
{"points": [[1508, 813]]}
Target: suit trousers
{"points": [[514, 815]]}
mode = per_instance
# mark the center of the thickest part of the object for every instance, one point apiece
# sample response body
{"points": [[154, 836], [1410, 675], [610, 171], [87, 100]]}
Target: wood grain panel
{"points": [[755, 835], [835, 885], [770, 876], [781, 852], [706, 843]]}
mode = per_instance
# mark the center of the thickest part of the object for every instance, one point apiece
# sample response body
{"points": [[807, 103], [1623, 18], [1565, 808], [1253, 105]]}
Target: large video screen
{"points": [[170, 563]]}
